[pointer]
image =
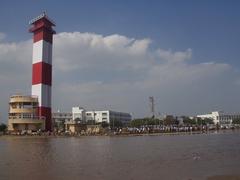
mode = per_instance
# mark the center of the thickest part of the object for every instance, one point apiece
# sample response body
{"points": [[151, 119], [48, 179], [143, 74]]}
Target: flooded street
{"points": [[139, 157]]}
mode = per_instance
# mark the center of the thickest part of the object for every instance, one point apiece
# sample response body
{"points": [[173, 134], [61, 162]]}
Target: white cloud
{"points": [[119, 72], [139, 47], [174, 56], [16, 52], [88, 49]]}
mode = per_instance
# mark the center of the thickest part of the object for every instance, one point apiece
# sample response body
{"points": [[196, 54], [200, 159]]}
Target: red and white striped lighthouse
{"points": [[42, 64]]}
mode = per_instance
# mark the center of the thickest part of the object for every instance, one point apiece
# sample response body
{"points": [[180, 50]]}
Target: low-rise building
{"points": [[59, 119], [100, 116], [23, 114], [74, 126], [94, 129], [219, 117]]}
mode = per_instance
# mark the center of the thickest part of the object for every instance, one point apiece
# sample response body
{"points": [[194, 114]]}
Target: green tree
{"points": [[188, 121], [160, 122], [77, 119], [104, 124], [208, 121], [200, 121], [153, 121], [170, 120], [115, 123], [145, 121], [3, 127], [204, 121], [138, 122], [90, 122], [236, 121]]}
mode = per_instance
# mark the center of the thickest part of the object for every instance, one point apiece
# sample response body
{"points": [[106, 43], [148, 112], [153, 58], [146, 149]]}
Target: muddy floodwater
{"points": [[202, 156]]}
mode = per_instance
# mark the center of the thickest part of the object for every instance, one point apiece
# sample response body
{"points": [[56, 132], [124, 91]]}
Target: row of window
{"points": [[90, 114], [228, 117], [62, 115], [23, 115]]}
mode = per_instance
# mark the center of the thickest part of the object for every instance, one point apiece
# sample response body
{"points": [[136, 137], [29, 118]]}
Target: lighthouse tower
{"points": [[42, 30]]}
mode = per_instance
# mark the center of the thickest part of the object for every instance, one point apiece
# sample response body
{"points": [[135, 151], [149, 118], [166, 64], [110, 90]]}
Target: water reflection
{"points": [[145, 157]]}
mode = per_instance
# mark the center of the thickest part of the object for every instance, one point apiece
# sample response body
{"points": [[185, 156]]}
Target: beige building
{"points": [[23, 114], [95, 129], [74, 126]]}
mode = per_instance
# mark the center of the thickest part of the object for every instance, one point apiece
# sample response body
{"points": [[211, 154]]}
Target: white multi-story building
{"points": [[219, 117], [100, 116], [78, 113]]}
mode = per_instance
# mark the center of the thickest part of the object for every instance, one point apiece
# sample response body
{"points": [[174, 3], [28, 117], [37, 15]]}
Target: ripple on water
{"points": [[144, 157]]}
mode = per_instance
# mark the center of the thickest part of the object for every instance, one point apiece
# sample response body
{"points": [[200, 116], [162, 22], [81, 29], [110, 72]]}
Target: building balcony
{"points": [[23, 110], [22, 99], [20, 124], [26, 121]]}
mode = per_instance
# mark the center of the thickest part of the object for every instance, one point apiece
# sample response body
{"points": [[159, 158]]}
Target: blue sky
{"points": [[209, 27], [184, 53]]}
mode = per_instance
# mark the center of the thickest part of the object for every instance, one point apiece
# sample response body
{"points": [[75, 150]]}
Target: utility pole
{"points": [[93, 117], [159, 116], [152, 106]]}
